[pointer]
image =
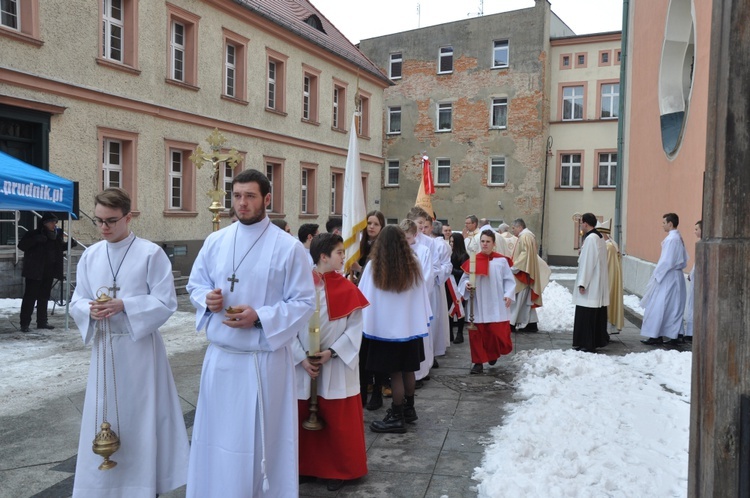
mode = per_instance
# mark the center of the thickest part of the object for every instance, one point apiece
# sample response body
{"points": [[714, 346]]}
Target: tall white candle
{"points": [[314, 327], [472, 267]]}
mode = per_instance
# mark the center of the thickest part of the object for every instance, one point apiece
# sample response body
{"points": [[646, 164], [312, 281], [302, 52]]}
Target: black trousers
{"points": [[36, 292]]}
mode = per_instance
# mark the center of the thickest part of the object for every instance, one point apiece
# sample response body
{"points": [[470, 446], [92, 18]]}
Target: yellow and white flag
{"points": [[354, 218]]}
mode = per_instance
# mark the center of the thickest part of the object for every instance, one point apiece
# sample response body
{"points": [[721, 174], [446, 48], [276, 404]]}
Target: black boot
{"points": [[393, 421], [459, 337], [376, 399], [410, 414]]}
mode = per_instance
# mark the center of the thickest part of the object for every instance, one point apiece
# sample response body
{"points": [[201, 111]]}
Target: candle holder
{"points": [[314, 422]]}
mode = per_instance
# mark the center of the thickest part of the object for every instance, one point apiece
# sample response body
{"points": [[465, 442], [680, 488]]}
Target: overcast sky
{"points": [[362, 19]]}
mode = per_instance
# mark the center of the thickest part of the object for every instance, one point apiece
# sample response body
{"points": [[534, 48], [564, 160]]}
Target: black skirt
{"points": [[590, 328], [390, 357]]}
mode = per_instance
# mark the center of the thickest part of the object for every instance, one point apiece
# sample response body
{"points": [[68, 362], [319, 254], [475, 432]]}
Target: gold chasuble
{"points": [[525, 259], [615, 310]]}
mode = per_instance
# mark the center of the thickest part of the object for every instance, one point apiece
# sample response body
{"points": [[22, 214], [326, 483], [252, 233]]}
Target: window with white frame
{"points": [[444, 117], [570, 170], [177, 46], [607, 169], [275, 177], [230, 68], [9, 14], [445, 60], [182, 33], [572, 103], [306, 90], [275, 81], [499, 112], [303, 196], [310, 95], [500, 53], [112, 29], [443, 172], [235, 66], [333, 192], [228, 177], [391, 174], [175, 179], [496, 174], [337, 191], [395, 67], [271, 84], [363, 118], [610, 100], [338, 93], [394, 120], [112, 164]]}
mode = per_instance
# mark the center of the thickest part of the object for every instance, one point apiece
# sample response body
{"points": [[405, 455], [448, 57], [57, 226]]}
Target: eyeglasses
{"points": [[108, 222]]}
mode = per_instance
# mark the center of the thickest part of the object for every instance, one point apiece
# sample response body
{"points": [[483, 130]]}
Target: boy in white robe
{"points": [[495, 290], [253, 292], [342, 438], [146, 412]]}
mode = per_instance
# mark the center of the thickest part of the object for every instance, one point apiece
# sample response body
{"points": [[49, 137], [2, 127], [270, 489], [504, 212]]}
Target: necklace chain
{"points": [[232, 279], [115, 273]]}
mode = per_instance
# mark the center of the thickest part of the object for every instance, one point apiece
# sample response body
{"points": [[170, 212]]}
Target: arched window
{"points": [[676, 73]]}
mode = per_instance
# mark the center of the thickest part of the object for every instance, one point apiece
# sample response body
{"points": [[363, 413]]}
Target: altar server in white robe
{"points": [[495, 290], [253, 291], [443, 270], [664, 300], [426, 260], [146, 412]]}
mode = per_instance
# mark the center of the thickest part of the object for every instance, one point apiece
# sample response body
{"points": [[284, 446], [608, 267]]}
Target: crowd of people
{"points": [[300, 342]]}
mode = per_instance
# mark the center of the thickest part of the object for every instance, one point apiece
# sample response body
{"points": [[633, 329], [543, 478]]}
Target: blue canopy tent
{"points": [[24, 187]]}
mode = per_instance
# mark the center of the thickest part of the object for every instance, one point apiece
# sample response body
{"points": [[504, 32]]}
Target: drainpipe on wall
{"points": [[544, 192], [621, 121]]}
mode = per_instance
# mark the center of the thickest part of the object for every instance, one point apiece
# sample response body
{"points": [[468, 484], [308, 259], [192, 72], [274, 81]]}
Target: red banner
{"points": [[429, 185]]}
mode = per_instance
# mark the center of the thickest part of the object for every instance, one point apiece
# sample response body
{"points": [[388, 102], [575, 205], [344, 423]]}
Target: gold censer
{"points": [[106, 441]]}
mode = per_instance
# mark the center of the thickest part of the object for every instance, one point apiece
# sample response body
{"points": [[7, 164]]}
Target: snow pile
{"points": [[40, 366], [634, 303], [589, 425], [558, 311], [9, 307]]}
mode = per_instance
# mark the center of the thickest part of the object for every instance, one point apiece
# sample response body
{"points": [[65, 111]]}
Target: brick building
{"points": [[474, 96]]}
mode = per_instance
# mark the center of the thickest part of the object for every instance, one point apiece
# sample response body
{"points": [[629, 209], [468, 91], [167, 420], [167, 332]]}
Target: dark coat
{"points": [[43, 256]]}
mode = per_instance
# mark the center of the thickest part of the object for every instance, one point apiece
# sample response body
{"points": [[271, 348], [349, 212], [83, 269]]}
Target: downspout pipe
{"points": [[621, 122]]}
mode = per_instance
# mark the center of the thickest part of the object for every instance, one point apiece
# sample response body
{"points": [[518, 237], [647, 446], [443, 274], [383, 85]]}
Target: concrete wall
{"points": [[470, 89], [656, 182]]}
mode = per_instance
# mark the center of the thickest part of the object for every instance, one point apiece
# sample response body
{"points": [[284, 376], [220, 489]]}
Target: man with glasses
{"points": [[141, 397]]}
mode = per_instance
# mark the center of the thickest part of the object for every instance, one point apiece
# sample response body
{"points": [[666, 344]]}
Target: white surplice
{"points": [[339, 377], [440, 329], [593, 274], [664, 300], [425, 253], [153, 454], [489, 303], [245, 433]]}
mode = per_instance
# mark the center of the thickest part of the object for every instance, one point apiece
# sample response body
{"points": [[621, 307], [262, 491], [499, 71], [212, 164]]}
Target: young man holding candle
{"points": [[488, 274], [329, 353]]}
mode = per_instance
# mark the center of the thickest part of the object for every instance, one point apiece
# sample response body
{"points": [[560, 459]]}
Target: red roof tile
{"points": [[293, 15]]}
